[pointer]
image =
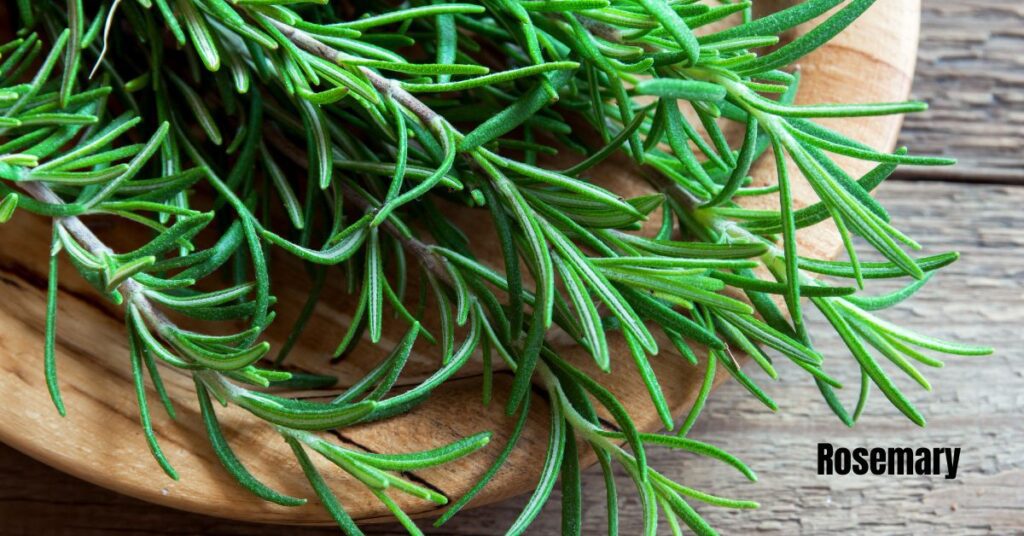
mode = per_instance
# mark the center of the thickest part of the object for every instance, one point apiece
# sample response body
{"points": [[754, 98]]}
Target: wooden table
{"points": [[971, 70]]}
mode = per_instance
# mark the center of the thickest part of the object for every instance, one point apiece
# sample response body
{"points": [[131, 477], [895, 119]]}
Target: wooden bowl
{"points": [[100, 439]]}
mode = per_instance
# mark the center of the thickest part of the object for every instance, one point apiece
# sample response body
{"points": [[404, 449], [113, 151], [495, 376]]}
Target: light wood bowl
{"points": [[100, 439]]}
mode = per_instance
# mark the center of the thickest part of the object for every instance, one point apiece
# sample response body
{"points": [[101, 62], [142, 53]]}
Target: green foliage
{"points": [[194, 121]]}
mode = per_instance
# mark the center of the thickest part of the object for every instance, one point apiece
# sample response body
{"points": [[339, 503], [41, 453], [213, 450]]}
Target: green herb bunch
{"points": [[178, 116]]}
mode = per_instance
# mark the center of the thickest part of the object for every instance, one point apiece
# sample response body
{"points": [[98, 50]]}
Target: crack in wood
{"points": [[407, 474]]}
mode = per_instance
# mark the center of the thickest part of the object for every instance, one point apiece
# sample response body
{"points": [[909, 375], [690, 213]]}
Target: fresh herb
{"points": [[144, 111]]}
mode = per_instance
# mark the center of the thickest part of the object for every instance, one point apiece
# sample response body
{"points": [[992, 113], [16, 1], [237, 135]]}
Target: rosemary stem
{"points": [[772, 257], [427, 258], [589, 430], [388, 87], [131, 290]]}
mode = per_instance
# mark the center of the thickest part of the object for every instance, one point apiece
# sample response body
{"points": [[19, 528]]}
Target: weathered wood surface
{"points": [[971, 71], [976, 404]]}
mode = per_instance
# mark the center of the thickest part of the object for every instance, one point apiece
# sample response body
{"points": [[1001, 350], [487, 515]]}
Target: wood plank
{"points": [[971, 71], [976, 406]]}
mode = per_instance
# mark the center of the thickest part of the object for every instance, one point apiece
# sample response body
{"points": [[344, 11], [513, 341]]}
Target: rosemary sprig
{"points": [[406, 110]]}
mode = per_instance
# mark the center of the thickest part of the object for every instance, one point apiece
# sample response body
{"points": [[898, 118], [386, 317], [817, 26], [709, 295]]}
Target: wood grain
{"points": [[971, 72]]}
